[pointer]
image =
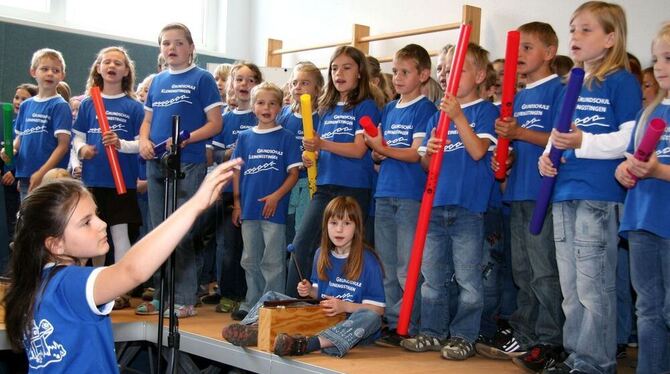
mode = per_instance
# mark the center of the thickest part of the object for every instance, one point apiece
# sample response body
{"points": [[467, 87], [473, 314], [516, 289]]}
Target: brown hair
{"points": [[128, 82], [187, 35], [31, 88], [310, 68], [362, 92], [543, 31], [417, 53]]}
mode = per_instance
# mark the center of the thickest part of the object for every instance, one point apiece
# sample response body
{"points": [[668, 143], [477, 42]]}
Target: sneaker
{"points": [[211, 299], [539, 358], [621, 351], [458, 349], [389, 339], [238, 315], [562, 368], [287, 345], [484, 340], [226, 305], [504, 346], [422, 343], [241, 335], [181, 311]]}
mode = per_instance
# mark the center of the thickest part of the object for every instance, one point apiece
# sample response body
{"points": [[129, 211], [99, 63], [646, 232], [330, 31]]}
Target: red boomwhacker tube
{"points": [[112, 156], [507, 100], [370, 128], [414, 267], [649, 141]]}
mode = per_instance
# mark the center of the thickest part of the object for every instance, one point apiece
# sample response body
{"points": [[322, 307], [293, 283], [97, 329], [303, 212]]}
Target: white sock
{"points": [[120, 239]]}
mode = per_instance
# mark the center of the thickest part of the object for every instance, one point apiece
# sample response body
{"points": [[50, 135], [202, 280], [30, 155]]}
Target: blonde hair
{"points": [[223, 71], [267, 87], [249, 65], [662, 35], [309, 68], [479, 57], [55, 174], [43, 53], [612, 19], [128, 82]]}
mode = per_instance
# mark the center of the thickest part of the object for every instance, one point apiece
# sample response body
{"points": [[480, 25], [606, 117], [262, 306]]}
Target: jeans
{"points": [[624, 298], [585, 233], [509, 290], [453, 250], [492, 262], [263, 259], [360, 327], [538, 318], [308, 236], [24, 184], [205, 248], [232, 283], [395, 224], [186, 276], [298, 203], [650, 273]]}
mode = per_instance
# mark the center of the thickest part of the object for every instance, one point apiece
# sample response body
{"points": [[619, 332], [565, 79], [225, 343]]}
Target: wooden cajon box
{"points": [[305, 320]]}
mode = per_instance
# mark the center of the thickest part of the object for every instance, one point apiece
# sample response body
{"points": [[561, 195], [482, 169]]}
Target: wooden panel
{"points": [[304, 320], [473, 16], [271, 59], [358, 32]]}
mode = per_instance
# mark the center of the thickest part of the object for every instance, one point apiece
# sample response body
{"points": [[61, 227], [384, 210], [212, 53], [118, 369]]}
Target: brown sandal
{"points": [[121, 302]]}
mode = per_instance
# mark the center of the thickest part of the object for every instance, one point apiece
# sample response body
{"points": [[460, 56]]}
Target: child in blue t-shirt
{"points": [[261, 187], [305, 79], [456, 233], [43, 124], [346, 277], [58, 311], [538, 320], [244, 76], [646, 223], [191, 93], [344, 165], [587, 201], [401, 179], [113, 72]]}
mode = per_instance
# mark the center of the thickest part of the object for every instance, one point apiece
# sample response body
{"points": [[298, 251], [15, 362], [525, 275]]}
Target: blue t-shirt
{"points": [[268, 155], [124, 115], [234, 122], [463, 181], [293, 123], [367, 289], [646, 203], [535, 108], [401, 125], [601, 109], [341, 126], [69, 333], [189, 93], [38, 123]]}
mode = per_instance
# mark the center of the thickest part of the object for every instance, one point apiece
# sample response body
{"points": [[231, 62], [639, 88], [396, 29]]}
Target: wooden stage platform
{"points": [[201, 336]]}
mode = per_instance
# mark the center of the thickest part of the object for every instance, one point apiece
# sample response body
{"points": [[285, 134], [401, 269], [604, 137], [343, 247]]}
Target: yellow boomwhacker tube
{"points": [[308, 130]]}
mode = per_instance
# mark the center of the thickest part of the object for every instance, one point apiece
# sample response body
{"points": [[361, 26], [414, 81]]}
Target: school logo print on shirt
{"points": [[268, 154], [183, 92], [41, 352]]}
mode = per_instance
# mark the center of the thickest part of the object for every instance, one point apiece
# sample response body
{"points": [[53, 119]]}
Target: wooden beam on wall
{"points": [[358, 32], [273, 60], [473, 16]]}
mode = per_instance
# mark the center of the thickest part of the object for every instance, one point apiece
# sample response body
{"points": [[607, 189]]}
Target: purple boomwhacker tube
{"points": [[160, 148], [563, 125]]}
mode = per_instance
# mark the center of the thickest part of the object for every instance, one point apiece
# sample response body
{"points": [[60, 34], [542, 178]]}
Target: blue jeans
{"points": [[492, 262], [24, 184], [585, 233], [624, 298], [650, 273], [232, 284], [509, 289], [453, 250], [360, 327], [186, 276], [308, 236], [538, 318], [263, 259], [395, 224]]}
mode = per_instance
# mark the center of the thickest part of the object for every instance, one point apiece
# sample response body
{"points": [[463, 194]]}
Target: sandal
{"points": [[147, 308], [422, 343], [241, 335], [121, 302], [148, 294], [182, 311], [226, 305]]}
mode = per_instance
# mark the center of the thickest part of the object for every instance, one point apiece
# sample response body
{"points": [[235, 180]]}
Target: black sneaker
{"points": [[238, 315], [211, 299], [389, 339], [539, 358], [504, 346], [562, 368]]}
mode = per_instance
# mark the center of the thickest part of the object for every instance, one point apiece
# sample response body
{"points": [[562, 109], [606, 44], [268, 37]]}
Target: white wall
{"points": [[307, 22]]}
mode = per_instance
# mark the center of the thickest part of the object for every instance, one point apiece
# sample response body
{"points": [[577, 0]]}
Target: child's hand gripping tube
{"points": [[649, 141], [308, 133], [563, 125], [370, 128], [112, 156], [414, 266], [507, 101], [8, 131], [161, 148]]}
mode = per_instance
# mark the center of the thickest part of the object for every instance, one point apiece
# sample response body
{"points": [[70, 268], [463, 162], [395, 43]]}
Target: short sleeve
{"points": [[373, 292], [76, 290], [62, 119]]}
